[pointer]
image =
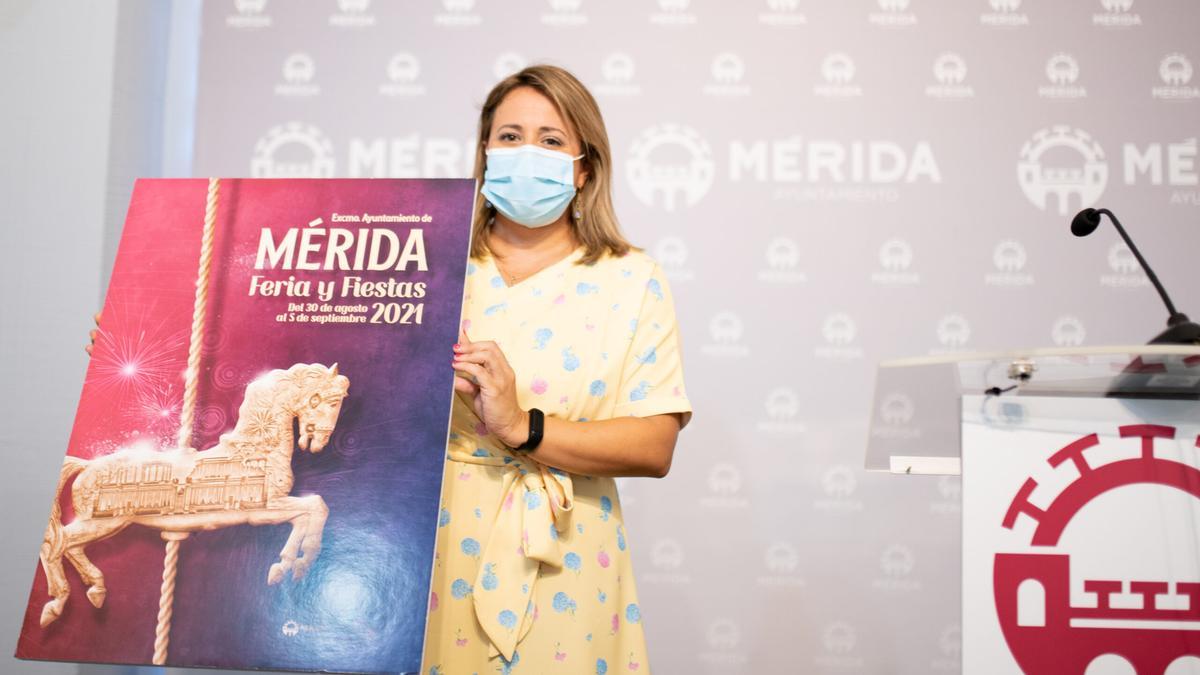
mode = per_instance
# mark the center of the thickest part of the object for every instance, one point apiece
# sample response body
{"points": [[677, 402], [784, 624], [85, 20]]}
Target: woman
{"points": [[569, 374]]}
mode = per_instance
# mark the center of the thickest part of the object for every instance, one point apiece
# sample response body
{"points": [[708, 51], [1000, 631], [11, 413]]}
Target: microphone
{"points": [[1180, 330]]}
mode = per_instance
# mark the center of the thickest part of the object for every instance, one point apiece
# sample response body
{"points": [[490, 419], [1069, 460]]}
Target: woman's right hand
{"points": [[491, 388], [92, 335]]}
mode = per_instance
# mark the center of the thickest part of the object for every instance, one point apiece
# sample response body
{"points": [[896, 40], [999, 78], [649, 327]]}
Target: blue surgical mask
{"points": [[531, 186]]}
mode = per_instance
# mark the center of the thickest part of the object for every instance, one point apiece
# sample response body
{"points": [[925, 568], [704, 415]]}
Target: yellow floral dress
{"points": [[532, 572]]}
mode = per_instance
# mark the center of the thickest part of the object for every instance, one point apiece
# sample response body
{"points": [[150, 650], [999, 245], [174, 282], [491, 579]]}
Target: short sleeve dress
{"points": [[532, 571]]}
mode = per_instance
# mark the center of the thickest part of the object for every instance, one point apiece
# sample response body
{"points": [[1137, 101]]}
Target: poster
{"points": [[273, 503]]}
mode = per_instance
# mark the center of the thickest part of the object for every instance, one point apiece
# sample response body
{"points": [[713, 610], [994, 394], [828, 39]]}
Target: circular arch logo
{"points": [[1045, 628], [1009, 256], [897, 409], [837, 68], [725, 327], [403, 67], [724, 634], [1064, 163], [839, 481], [728, 68], [839, 329], [896, 255], [1068, 331], [618, 68], [953, 330], [781, 557], [670, 166], [1062, 68], [783, 253], [949, 68], [897, 560], [783, 403], [508, 63], [1121, 259], [724, 478], [299, 67], [671, 252], [1175, 69], [839, 637], [667, 554], [293, 150]]}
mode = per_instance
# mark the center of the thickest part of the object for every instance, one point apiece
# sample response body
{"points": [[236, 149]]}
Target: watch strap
{"points": [[537, 428]]}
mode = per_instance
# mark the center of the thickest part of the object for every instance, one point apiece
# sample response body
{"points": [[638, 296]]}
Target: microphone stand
{"points": [[1180, 329]]}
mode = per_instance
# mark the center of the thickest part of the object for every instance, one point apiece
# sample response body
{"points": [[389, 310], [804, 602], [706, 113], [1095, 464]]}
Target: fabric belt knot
{"points": [[535, 507]]}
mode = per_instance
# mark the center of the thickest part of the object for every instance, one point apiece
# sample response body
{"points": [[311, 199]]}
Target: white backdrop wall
{"points": [[54, 123], [85, 94], [827, 184]]}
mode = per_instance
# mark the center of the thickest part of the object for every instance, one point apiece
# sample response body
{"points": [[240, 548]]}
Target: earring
{"points": [[487, 204]]}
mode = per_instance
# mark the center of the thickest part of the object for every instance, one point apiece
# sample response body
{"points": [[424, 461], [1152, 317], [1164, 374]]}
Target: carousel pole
{"points": [[166, 598]]}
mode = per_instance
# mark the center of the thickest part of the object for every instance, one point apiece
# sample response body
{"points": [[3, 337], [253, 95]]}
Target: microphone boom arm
{"points": [[1162, 292], [1180, 330]]}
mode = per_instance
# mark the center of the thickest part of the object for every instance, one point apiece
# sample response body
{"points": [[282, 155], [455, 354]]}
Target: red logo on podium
{"points": [[1051, 636]]}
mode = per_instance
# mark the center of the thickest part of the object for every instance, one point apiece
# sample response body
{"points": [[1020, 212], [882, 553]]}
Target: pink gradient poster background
{"points": [[362, 605]]}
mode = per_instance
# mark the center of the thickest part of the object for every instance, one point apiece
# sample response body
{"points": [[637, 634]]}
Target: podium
{"points": [[1080, 499]]}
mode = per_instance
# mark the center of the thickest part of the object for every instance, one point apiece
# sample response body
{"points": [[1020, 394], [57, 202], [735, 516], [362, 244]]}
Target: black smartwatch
{"points": [[537, 427]]}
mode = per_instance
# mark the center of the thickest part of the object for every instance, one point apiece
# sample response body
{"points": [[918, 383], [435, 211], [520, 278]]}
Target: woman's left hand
{"points": [[494, 389]]}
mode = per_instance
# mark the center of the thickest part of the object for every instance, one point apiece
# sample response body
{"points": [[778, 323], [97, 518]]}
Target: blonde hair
{"points": [[597, 229]]}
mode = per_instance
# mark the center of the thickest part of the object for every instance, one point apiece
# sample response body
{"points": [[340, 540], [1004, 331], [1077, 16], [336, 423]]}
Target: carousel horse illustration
{"points": [[243, 480]]}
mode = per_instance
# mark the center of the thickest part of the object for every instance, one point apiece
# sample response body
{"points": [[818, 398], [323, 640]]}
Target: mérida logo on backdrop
{"points": [[1065, 168], [1045, 176], [293, 150], [670, 166]]}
